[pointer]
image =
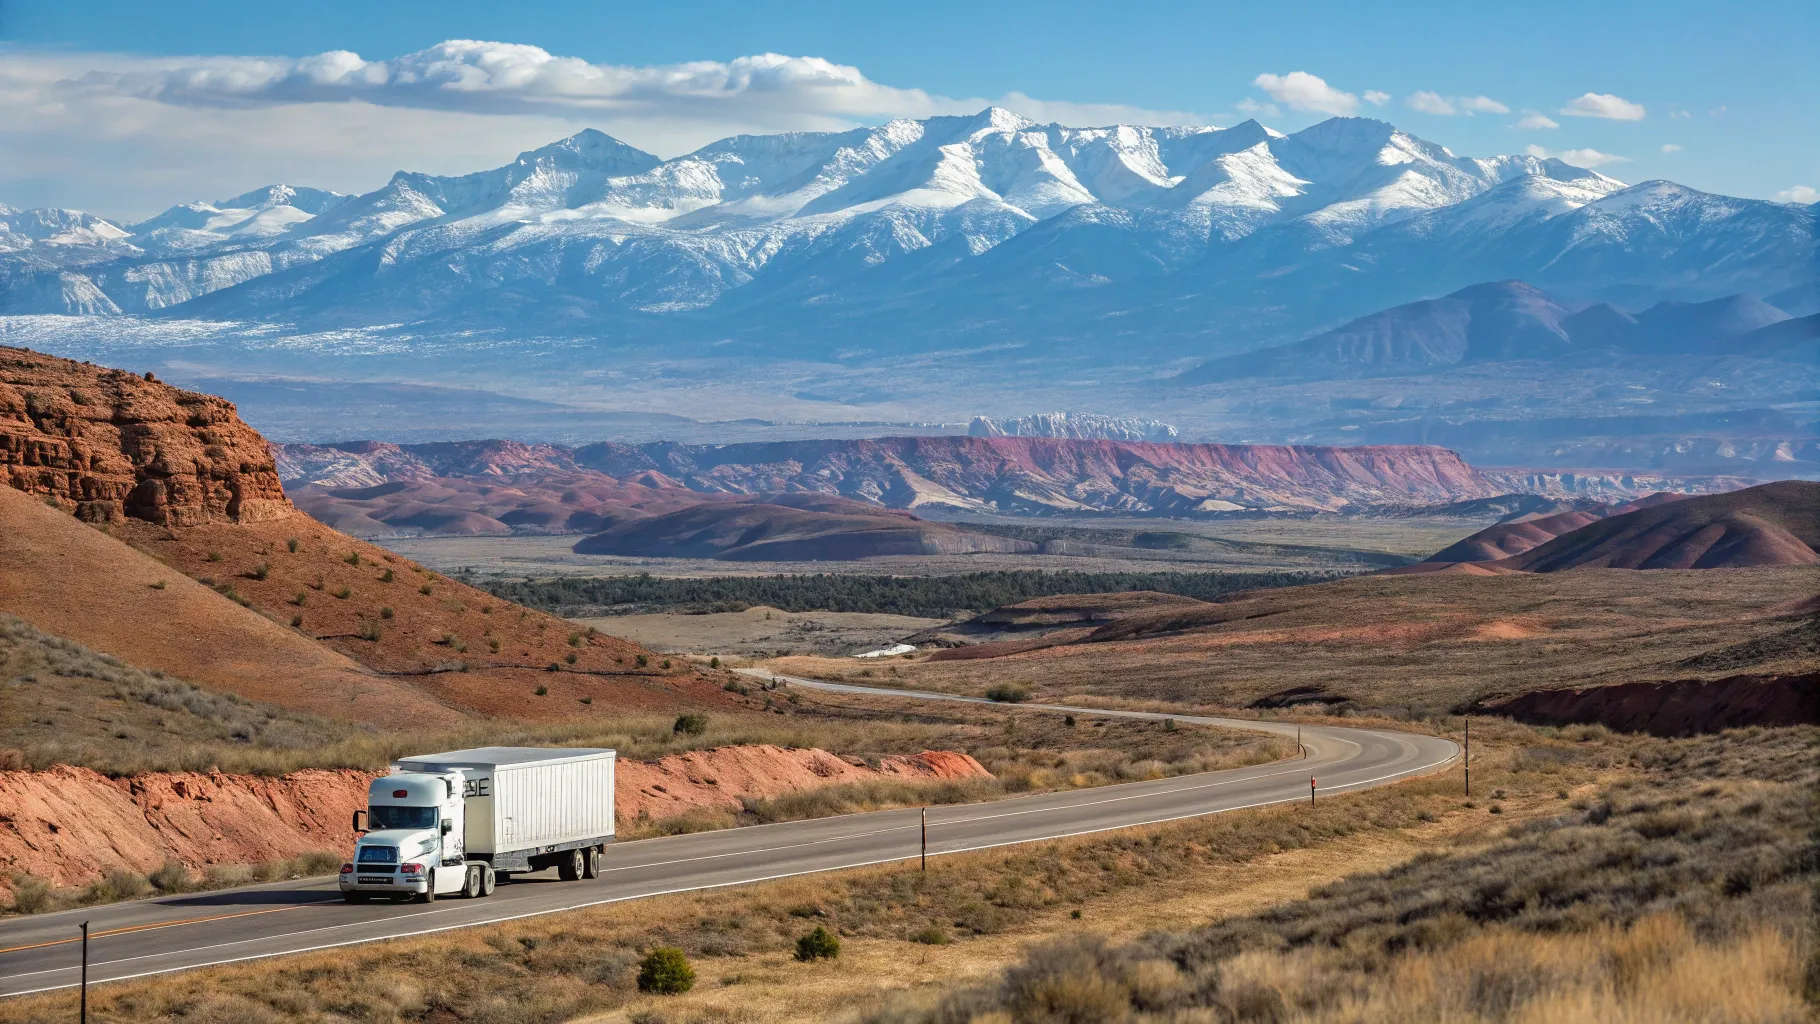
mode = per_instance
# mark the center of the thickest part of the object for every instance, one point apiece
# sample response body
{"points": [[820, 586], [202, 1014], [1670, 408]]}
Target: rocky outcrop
{"points": [[107, 445]]}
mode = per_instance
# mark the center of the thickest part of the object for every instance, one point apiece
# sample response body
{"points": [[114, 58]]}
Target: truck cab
{"points": [[410, 844]]}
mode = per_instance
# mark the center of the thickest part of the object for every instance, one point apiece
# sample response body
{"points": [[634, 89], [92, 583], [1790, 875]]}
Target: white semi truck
{"points": [[459, 822]]}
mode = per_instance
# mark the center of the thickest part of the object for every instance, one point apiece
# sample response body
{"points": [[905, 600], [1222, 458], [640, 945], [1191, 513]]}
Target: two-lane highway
{"points": [[181, 932]]}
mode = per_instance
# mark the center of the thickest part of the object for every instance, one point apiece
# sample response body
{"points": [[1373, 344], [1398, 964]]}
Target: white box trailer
{"points": [[526, 804]]}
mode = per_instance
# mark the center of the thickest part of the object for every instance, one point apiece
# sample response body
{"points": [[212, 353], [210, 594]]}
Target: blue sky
{"points": [[1724, 100]]}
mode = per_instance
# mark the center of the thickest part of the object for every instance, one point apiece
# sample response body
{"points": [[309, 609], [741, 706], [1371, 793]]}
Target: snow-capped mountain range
{"points": [[930, 224]]}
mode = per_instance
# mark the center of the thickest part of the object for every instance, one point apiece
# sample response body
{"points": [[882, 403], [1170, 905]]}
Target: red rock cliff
{"points": [[107, 444]]}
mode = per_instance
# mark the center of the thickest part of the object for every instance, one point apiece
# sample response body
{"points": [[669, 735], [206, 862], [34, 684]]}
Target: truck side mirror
{"points": [[358, 827], [447, 826]]}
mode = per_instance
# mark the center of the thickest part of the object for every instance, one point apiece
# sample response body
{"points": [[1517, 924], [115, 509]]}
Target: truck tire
{"points": [[429, 893], [471, 885], [487, 880], [569, 867], [590, 863]]}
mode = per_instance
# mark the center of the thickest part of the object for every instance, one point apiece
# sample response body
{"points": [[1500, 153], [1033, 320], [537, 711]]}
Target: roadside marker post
{"points": [[925, 840], [84, 1017], [1466, 757], [1311, 791], [1298, 742]]}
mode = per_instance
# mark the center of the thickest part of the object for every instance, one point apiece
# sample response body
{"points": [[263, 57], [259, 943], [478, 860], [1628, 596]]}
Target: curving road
{"points": [[176, 933]]}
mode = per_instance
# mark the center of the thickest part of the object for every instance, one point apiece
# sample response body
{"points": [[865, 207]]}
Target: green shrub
{"points": [[293, 544], [665, 971], [424, 590], [353, 558], [343, 593], [31, 894], [386, 612], [260, 571], [386, 577], [666, 663], [171, 876], [302, 598], [714, 662], [820, 944], [643, 661], [214, 556], [296, 622], [542, 691], [933, 935], [158, 585], [690, 723], [369, 631], [1008, 693], [574, 639]]}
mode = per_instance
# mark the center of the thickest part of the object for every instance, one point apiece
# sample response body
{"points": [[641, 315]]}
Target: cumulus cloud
{"points": [[1669, 147], [1445, 106], [1300, 90], [126, 136], [1481, 105], [1375, 97], [1430, 103], [1251, 106], [1578, 157], [1604, 105], [1804, 194], [1533, 121]]}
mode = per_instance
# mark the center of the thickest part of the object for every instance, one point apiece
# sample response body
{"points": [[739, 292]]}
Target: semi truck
{"points": [[462, 821]]}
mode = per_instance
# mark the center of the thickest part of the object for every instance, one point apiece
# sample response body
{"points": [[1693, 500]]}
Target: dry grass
{"points": [[66, 704], [985, 906]]}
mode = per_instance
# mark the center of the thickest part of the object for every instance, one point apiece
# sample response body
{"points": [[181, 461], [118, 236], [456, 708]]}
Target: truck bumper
{"points": [[395, 886]]}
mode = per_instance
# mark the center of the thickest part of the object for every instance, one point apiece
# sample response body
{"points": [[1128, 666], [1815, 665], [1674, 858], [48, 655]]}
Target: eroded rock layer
{"points": [[107, 445]]}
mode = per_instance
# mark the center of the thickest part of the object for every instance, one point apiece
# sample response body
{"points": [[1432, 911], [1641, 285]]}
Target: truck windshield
{"points": [[377, 855], [401, 817]]}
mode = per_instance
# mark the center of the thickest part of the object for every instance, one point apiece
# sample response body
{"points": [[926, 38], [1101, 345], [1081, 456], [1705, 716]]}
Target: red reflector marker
{"points": [[400, 794]]}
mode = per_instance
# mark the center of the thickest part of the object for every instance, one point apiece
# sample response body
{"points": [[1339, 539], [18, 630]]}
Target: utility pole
{"points": [[1466, 758], [925, 840], [85, 972]]}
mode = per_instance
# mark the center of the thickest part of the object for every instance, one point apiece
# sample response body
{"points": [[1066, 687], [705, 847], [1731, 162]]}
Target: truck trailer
{"points": [[462, 821]]}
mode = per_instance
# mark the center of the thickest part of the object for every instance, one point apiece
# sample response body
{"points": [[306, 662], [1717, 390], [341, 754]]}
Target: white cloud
{"points": [[1605, 105], [1481, 105], [1251, 106], [1578, 157], [1300, 90], [127, 136], [1804, 194], [1533, 121], [1434, 103], [1669, 147], [1376, 98], [1426, 102]]}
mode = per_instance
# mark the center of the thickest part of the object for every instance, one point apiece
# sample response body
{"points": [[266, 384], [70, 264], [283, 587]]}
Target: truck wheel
{"points": [[590, 865], [569, 867], [470, 885], [429, 894], [487, 879], [354, 897]]}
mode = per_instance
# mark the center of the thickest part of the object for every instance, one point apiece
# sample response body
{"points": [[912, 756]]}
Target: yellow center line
{"points": [[156, 924]]}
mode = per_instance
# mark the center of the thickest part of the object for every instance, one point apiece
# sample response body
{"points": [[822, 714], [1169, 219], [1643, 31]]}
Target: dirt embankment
{"points": [[723, 776], [1673, 708], [72, 825]]}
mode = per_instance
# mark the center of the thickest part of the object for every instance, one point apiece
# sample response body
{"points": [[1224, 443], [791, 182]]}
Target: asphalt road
{"points": [[175, 933]]}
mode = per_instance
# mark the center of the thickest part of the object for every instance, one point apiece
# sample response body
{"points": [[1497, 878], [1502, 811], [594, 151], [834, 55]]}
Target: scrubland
{"points": [[1592, 876], [1406, 645]]}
